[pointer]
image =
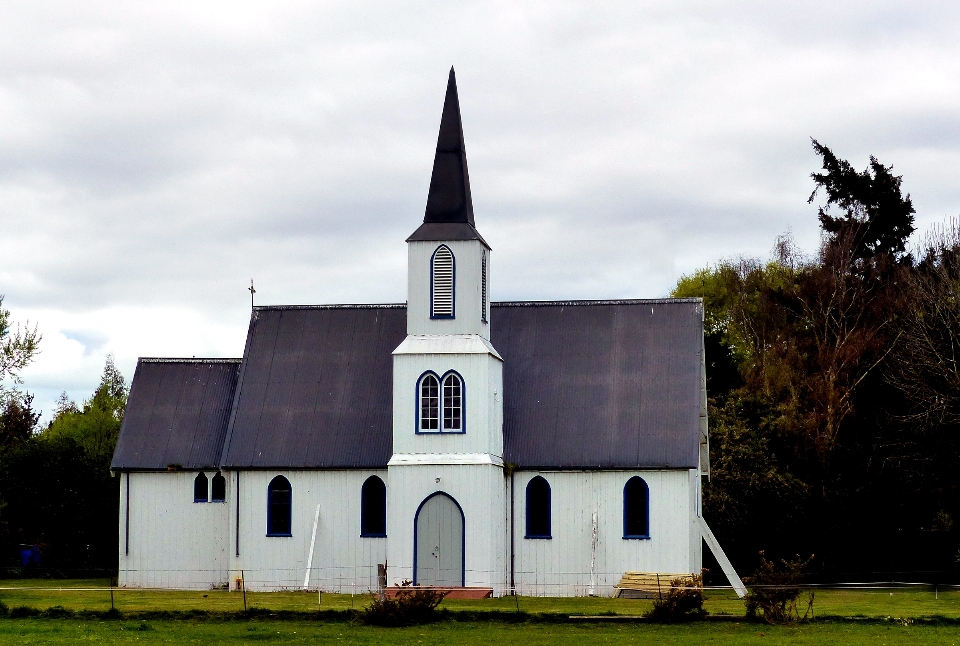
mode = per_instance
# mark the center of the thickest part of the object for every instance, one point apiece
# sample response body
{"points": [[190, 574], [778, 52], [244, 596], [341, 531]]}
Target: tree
{"points": [[17, 419], [17, 347], [876, 219], [96, 425]]}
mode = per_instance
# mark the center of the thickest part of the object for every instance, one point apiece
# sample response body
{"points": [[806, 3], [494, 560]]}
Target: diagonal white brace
{"points": [[722, 559]]}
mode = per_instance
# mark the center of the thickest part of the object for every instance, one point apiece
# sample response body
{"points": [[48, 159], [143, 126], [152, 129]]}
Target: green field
{"points": [[213, 633], [89, 594], [875, 617]]}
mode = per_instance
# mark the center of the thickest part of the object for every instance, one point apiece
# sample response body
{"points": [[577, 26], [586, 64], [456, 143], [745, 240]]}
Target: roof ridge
{"points": [[189, 360]]}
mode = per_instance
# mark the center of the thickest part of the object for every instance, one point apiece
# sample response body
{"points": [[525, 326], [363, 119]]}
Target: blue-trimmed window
{"points": [[538, 508], [200, 488], [429, 409], [442, 272], [440, 403], [373, 508], [636, 508], [218, 488], [452, 403], [279, 503]]}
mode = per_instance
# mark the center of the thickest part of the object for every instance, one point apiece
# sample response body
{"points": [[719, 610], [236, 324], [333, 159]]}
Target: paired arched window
{"points": [[373, 507], [440, 403], [279, 501], [218, 488], [636, 508], [441, 283], [538, 508], [200, 488]]}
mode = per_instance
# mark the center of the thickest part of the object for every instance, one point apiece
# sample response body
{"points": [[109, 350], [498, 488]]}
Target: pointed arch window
{"points": [[440, 403], [373, 508], [279, 503], [636, 508], [538, 508], [200, 488], [442, 267], [218, 488]]}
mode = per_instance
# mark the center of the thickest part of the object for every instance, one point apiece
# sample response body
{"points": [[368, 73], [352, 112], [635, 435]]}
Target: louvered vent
{"points": [[442, 305], [483, 286]]}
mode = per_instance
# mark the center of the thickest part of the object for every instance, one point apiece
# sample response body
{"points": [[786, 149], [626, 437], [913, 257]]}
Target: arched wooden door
{"points": [[438, 542]]}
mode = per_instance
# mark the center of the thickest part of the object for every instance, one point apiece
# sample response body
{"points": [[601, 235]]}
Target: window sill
{"points": [[432, 432], [373, 535], [279, 535], [219, 501], [195, 500], [539, 537], [638, 537]]}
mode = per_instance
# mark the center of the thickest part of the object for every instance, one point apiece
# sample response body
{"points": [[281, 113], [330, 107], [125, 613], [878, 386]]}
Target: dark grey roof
{"points": [[176, 414], [316, 387], [449, 198], [612, 384], [587, 384]]}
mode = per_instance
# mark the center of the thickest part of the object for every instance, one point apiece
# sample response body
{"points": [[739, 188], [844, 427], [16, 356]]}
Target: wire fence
{"points": [[344, 588]]}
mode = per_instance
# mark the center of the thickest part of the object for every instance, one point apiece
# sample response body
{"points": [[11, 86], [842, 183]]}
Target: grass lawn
{"points": [[213, 633], [845, 603]]}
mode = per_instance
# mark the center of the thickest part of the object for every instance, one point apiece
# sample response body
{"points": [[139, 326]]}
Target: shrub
{"points": [[57, 612], [775, 590], [410, 606], [19, 612], [4, 610], [683, 602]]}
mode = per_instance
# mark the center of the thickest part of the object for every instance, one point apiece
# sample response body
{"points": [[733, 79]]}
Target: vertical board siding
{"points": [[174, 542], [467, 289], [482, 382], [342, 560], [481, 493], [561, 566]]}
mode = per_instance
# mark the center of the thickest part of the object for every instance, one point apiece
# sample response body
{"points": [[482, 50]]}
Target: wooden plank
{"points": [[725, 564]]}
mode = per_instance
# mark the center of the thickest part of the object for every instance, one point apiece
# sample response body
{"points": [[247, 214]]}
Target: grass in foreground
{"points": [[211, 633], [844, 603]]}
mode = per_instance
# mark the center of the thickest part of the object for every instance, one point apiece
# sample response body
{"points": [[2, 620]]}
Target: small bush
{"points": [[412, 605], [4, 610], [19, 612], [57, 612], [683, 602], [775, 590]]}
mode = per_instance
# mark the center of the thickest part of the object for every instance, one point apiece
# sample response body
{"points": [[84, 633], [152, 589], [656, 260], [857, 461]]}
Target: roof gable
{"points": [[176, 414]]}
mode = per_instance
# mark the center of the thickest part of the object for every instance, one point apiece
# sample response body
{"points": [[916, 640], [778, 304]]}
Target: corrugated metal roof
{"points": [[316, 388], [587, 384], [176, 414], [603, 384]]}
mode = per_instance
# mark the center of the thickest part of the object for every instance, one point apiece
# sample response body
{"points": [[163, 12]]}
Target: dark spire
{"points": [[449, 212], [449, 198]]}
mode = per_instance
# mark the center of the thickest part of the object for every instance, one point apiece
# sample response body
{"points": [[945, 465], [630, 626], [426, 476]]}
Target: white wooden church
{"points": [[538, 447]]}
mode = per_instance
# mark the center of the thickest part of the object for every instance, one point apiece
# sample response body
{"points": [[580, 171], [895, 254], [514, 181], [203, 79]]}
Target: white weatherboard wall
{"points": [[482, 375], [173, 541], [561, 566], [468, 300], [480, 491], [343, 561]]}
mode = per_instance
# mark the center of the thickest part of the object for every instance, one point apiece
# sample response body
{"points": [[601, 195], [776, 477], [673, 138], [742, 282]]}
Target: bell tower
{"points": [[447, 458]]}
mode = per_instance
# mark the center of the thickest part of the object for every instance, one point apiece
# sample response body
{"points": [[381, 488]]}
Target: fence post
{"points": [[243, 586]]}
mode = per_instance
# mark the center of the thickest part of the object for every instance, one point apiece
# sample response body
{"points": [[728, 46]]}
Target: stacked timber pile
{"points": [[647, 585]]}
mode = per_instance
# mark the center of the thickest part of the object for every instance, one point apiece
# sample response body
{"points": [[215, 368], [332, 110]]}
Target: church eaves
{"points": [[449, 212]]}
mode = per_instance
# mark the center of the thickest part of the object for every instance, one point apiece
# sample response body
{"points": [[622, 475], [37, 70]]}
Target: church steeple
{"points": [[449, 197], [449, 212]]}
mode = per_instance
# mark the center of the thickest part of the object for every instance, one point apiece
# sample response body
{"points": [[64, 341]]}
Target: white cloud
{"points": [[154, 158]]}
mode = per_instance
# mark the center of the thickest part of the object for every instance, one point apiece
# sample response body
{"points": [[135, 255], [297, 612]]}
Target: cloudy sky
{"points": [[154, 157]]}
